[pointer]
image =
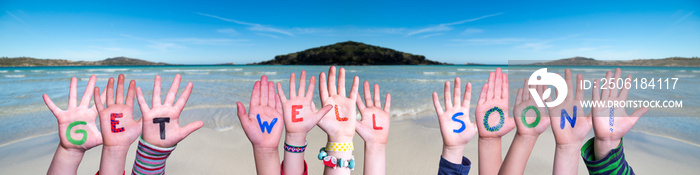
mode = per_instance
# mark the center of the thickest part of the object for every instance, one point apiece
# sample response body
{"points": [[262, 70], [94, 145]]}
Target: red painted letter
{"points": [[114, 122], [374, 124], [295, 113], [337, 115]]}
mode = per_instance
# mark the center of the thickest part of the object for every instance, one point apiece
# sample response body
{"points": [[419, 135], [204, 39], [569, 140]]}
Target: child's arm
{"points": [[161, 129], [300, 116], [374, 129], [570, 127], [261, 127], [340, 124], [531, 122], [119, 129], [455, 127], [610, 124], [76, 129], [493, 121]]}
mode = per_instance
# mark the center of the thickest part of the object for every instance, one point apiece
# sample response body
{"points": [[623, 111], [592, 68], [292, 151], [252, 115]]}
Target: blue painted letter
{"points": [[571, 120], [454, 118], [266, 126]]}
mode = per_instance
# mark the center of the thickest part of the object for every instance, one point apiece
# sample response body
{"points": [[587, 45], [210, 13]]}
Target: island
{"points": [[665, 62], [350, 53], [31, 62]]}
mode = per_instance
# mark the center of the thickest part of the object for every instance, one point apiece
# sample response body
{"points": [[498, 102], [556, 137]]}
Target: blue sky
{"points": [[244, 32]]}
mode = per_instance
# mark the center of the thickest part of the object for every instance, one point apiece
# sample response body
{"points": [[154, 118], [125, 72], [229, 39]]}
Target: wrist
{"points": [[489, 139], [601, 147], [375, 147], [526, 137], [340, 139], [295, 139], [453, 154], [115, 149]]}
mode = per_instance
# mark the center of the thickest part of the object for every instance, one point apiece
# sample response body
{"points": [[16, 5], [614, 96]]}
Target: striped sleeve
{"points": [[613, 163], [150, 159]]}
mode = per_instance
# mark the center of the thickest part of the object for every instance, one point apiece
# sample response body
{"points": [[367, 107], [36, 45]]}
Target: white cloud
{"points": [[15, 17], [471, 31], [446, 26], [268, 35], [252, 26], [491, 41], [431, 35], [228, 31]]}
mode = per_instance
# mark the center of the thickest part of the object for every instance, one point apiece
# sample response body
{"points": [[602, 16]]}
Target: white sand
{"points": [[412, 149]]}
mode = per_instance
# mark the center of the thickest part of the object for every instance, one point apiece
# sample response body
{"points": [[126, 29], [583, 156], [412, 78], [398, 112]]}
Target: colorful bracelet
{"points": [[332, 162], [295, 149], [336, 146]]}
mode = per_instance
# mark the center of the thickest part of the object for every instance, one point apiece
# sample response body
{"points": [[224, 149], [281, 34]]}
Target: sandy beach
{"points": [[412, 149]]}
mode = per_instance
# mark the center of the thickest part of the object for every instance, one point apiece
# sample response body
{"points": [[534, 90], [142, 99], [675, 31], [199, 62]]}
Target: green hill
{"points": [[30, 62], [349, 53], [665, 62]]}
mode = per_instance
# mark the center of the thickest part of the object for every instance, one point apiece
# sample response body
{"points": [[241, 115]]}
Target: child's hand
{"points": [[374, 126], [76, 125], [608, 130], [455, 126], [340, 123], [119, 129], [300, 114], [260, 125], [161, 127], [530, 119], [574, 131], [493, 102]]}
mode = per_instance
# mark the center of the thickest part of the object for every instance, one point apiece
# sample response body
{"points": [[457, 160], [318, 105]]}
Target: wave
{"points": [[106, 70], [3, 71], [15, 76]]}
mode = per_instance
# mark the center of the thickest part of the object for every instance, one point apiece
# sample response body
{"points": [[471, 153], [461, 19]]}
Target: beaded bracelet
{"points": [[337, 146], [295, 149], [332, 162]]}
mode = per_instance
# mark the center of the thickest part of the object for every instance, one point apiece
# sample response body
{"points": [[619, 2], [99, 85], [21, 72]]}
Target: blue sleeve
{"points": [[613, 163], [449, 168]]}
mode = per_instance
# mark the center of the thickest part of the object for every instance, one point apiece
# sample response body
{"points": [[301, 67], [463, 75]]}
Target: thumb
{"points": [[319, 114], [190, 128], [639, 113]]}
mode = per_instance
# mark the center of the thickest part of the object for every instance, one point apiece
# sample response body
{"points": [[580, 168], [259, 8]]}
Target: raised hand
{"points": [[611, 123], [300, 116], [455, 126], [262, 127], [374, 126], [530, 119], [119, 129], [340, 123], [76, 128], [494, 102], [570, 127], [374, 129], [161, 127]]}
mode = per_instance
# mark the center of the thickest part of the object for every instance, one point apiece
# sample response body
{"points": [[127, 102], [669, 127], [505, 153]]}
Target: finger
{"points": [[387, 103], [278, 103], [639, 113], [579, 88], [354, 91], [302, 85], [436, 104], [190, 128], [87, 95], [569, 83], [263, 90], [98, 100], [242, 115], [180, 104], [458, 92], [120, 89], [606, 90], [292, 86], [466, 102], [172, 92], [341, 82], [505, 91], [310, 91], [368, 97], [271, 94], [613, 91], [110, 91], [498, 90], [323, 90], [72, 93], [596, 90], [519, 97], [377, 97], [55, 109], [525, 92], [155, 101], [255, 96], [142, 102], [103, 96], [130, 94], [492, 85], [625, 89], [360, 105], [313, 106], [319, 114], [447, 96], [332, 87], [484, 93], [280, 92]]}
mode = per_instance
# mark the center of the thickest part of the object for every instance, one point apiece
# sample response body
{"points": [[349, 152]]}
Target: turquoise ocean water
{"points": [[23, 114]]}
